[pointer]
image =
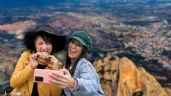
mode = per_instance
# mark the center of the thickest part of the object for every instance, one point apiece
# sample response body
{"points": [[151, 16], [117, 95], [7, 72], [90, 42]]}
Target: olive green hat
{"points": [[83, 38]]}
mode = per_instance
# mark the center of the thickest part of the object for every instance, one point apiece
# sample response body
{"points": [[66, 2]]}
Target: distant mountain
{"points": [[19, 3], [26, 3], [138, 0]]}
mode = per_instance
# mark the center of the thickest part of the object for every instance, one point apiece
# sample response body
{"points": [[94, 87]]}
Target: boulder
{"points": [[121, 77]]}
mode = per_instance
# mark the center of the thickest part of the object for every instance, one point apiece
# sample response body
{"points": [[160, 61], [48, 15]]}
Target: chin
{"points": [[71, 56]]}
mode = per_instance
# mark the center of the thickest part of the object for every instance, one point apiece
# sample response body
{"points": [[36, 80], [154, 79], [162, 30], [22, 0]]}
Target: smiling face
{"points": [[42, 46], [75, 49]]}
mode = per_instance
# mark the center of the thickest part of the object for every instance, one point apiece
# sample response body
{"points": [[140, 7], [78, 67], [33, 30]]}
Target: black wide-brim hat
{"points": [[59, 41]]}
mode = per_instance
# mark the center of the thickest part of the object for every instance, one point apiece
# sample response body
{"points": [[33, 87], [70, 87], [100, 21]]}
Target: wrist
{"points": [[34, 66], [73, 85]]}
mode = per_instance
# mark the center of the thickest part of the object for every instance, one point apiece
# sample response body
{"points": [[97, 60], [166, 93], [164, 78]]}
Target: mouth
{"points": [[45, 51], [72, 51]]}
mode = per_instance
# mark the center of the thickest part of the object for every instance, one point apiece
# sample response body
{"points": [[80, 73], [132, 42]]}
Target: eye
{"points": [[79, 45], [40, 43], [48, 43]]}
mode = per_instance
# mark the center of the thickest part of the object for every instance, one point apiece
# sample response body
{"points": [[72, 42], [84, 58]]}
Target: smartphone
{"points": [[42, 75]]}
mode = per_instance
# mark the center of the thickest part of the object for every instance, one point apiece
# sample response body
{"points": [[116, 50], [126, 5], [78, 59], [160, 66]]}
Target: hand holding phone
{"points": [[42, 75]]}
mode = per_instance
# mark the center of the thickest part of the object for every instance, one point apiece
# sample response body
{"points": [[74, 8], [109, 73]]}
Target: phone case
{"points": [[42, 75]]}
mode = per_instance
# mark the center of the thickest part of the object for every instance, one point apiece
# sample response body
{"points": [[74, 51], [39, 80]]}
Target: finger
{"points": [[59, 76], [53, 58], [39, 54], [65, 71], [56, 74], [34, 56], [57, 79], [53, 76], [60, 84], [57, 82]]}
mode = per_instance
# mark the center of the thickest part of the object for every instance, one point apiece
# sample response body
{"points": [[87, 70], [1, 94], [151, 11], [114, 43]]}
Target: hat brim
{"points": [[79, 39], [59, 40]]}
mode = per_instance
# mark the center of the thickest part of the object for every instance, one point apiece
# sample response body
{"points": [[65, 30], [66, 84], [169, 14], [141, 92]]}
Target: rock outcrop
{"points": [[121, 77], [18, 28]]}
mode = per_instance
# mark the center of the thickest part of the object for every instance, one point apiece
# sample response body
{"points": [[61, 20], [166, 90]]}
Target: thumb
{"points": [[66, 72]]}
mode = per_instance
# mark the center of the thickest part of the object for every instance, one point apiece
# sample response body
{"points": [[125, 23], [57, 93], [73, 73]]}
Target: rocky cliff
{"points": [[121, 77]]}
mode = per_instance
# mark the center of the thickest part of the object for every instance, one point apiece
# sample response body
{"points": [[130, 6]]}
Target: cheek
{"points": [[80, 51], [38, 48], [49, 47], [69, 45]]}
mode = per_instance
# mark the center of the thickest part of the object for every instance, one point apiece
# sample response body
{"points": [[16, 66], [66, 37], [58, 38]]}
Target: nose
{"points": [[44, 48], [73, 45]]}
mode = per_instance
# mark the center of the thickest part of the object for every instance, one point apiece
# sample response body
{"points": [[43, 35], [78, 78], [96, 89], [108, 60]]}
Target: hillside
{"points": [[110, 34], [146, 46]]}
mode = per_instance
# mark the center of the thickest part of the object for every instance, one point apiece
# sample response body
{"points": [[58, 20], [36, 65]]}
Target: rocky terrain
{"points": [[147, 46], [10, 48], [120, 77]]}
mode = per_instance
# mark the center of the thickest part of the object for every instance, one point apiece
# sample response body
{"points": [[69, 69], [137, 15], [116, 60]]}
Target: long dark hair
{"points": [[68, 60]]}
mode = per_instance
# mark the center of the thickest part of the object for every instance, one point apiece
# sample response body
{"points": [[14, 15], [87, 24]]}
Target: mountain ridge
{"points": [[16, 3]]}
